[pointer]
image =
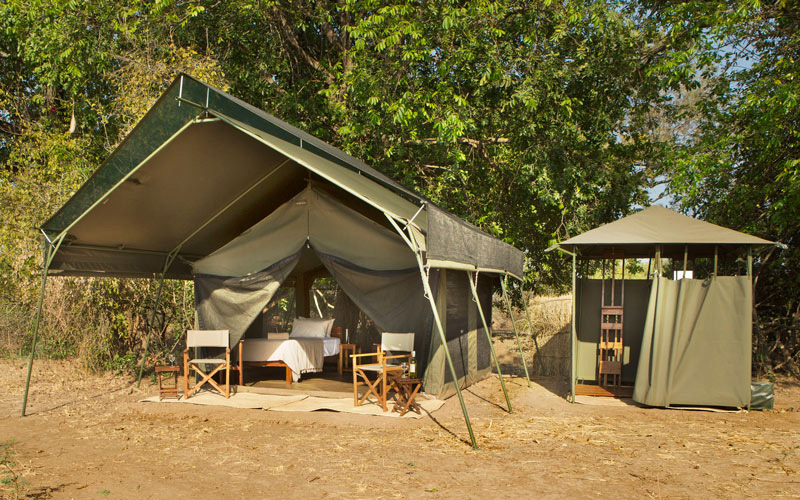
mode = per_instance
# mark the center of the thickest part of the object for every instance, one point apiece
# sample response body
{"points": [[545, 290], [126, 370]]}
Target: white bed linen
{"points": [[330, 345], [301, 355]]}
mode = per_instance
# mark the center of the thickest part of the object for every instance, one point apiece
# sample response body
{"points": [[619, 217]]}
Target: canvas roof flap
{"points": [[203, 168], [639, 233]]}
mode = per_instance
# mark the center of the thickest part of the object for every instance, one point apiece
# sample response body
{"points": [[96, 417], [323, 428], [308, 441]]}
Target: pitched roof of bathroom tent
{"points": [[637, 234], [202, 167]]}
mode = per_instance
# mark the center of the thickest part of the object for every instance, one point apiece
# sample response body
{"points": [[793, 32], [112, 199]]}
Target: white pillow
{"points": [[328, 329], [305, 327]]}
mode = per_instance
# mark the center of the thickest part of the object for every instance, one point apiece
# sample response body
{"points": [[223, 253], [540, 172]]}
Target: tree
{"points": [[740, 166]]}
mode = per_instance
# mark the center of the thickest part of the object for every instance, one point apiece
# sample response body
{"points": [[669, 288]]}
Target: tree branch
{"points": [[294, 45], [475, 143]]}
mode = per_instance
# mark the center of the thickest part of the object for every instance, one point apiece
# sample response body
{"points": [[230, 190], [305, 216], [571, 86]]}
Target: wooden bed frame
{"points": [[239, 366]]}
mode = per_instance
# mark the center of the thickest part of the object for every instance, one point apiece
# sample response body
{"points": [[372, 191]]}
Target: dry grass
{"points": [[550, 323]]}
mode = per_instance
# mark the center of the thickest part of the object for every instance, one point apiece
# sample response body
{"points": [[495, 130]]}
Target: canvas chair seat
{"points": [[379, 368], [207, 338], [208, 361]]}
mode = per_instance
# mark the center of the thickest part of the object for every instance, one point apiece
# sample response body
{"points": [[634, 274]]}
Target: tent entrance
{"points": [[363, 302], [592, 321]]}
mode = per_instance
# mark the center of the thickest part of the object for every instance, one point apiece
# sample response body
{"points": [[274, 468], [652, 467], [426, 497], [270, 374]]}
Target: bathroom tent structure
{"points": [[679, 342], [209, 188]]}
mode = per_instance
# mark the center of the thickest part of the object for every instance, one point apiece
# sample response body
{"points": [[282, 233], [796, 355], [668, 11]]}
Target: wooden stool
{"points": [[167, 392], [405, 391], [344, 359]]}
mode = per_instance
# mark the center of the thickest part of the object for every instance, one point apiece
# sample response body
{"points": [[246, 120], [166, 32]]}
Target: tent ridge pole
{"points": [[503, 283], [427, 287], [191, 103], [474, 287], [50, 252]]}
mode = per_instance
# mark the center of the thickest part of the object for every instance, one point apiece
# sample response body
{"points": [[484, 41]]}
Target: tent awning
{"points": [[202, 167]]}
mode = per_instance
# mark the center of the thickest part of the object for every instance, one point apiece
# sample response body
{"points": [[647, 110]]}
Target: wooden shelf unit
{"points": [[610, 347]]}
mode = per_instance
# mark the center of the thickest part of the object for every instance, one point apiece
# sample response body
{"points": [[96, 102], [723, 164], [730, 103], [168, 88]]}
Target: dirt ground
{"points": [[89, 437]]}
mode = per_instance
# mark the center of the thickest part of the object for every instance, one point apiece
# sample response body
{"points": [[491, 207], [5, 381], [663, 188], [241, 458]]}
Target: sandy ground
{"points": [[89, 437]]}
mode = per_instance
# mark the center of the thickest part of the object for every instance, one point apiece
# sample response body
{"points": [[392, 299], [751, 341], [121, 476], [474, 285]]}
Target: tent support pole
{"points": [[429, 294], [503, 285], [50, 251], [750, 262], [573, 363], [574, 336], [474, 287], [400, 232], [685, 259], [167, 264], [530, 323], [716, 258], [427, 287], [658, 261]]}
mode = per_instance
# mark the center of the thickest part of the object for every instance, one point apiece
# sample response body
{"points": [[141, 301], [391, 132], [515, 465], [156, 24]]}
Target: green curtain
{"points": [[697, 343]]}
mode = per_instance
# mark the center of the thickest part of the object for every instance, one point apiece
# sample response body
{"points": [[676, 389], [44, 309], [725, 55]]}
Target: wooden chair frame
{"points": [[206, 378], [380, 387]]}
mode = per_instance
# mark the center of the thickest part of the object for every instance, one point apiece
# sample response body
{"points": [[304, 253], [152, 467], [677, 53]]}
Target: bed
{"points": [[298, 354]]}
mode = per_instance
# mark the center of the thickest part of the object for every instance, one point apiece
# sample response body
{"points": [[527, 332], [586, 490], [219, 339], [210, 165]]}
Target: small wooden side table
{"points": [[345, 362], [167, 391], [405, 390]]}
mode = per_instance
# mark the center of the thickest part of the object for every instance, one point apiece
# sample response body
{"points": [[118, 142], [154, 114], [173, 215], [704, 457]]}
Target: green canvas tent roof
{"points": [[637, 235], [202, 167]]}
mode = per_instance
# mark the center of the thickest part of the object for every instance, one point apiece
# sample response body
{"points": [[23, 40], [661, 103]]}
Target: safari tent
{"points": [[667, 342], [211, 189]]}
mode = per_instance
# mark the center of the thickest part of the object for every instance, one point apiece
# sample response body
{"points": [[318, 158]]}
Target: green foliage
{"points": [[522, 118]]}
